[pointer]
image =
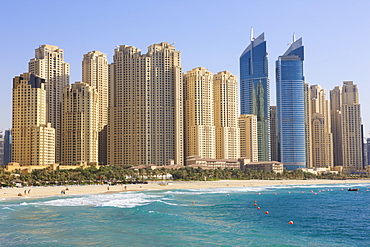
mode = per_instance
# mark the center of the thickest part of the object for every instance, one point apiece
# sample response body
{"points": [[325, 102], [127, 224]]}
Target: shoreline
{"points": [[73, 190]]}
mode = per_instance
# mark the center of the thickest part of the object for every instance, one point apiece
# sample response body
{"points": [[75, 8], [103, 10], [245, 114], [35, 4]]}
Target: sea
{"points": [[305, 215]]}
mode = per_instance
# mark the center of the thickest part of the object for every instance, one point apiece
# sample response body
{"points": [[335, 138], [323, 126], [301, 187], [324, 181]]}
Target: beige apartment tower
{"points": [[336, 126], [49, 65], [33, 138], [145, 108], [248, 137], [226, 115], [80, 126], [200, 139], [321, 136], [95, 73]]}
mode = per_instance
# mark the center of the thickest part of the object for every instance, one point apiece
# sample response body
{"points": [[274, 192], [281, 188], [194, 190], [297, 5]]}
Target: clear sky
{"points": [[209, 33]]}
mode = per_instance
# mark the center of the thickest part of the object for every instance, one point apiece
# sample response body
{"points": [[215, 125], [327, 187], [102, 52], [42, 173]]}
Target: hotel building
{"points": [[248, 137]]}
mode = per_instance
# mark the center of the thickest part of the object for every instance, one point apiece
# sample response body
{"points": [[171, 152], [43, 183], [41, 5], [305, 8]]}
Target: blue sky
{"points": [[209, 33]]}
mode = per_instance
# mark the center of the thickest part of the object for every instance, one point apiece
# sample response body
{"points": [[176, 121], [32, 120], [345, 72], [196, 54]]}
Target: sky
{"points": [[209, 33]]}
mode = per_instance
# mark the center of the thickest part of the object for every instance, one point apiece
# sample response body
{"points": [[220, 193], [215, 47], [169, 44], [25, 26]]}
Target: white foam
{"points": [[120, 200]]}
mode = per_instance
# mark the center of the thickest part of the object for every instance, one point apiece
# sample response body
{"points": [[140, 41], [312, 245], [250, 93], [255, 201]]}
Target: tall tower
{"points": [[273, 135], [290, 108], [200, 137], [80, 124], [146, 111], [336, 126], [351, 128], [226, 115], [248, 137], [321, 136], [1, 149], [7, 146], [255, 91], [95, 73], [49, 64], [33, 138]]}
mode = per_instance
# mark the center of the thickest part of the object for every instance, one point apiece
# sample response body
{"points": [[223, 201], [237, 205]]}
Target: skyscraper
{"points": [[226, 115], [49, 64], [336, 126], [1, 149], [95, 73], [146, 111], [7, 146], [33, 138], [290, 108], [200, 137], [273, 135], [255, 91], [80, 124], [248, 137], [321, 136]]}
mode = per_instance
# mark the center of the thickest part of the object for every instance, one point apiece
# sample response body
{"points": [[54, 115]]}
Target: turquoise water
{"points": [[218, 217]]}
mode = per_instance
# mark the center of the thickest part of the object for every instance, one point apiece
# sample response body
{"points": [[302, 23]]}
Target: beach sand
{"points": [[44, 191]]}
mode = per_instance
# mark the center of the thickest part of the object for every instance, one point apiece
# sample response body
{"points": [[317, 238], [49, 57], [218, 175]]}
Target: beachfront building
{"points": [[248, 136], [290, 108], [145, 108], [273, 134], [33, 138], [255, 90], [95, 74], [80, 126], [49, 65], [346, 123], [200, 135], [1, 149], [321, 136], [226, 115]]}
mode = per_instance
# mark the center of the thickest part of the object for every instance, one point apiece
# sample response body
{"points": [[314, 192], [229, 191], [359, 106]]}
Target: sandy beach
{"points": [[44, 191]]}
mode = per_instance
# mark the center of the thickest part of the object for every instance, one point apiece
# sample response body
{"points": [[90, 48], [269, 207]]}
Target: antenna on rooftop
{"points": [[294, 37], [252, 38]]}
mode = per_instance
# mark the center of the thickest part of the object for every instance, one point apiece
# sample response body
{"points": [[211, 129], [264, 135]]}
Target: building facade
{"points": [[145, 109], [7, 146], [200, 135], [290, 108], [336, 126], [49, 65], [33, 139], [273, 135], [255, 91], [95, 73], [321, 136], [226, 115], [80, 126], [1, 149], [248, 137]]}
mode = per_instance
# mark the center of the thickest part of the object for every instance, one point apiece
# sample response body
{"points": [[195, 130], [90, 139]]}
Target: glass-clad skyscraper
{"points": [[290, 109], [255, 91]]}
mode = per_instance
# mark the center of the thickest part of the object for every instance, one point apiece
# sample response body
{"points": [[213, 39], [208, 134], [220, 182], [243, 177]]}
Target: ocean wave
{"points": [[119, 200]]}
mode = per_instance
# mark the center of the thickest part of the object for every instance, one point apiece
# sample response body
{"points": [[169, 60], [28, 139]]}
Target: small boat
{"points": [[349, 189]]}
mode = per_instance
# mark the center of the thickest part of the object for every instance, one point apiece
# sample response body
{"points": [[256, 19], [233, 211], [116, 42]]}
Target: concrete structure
{"points": [[269, 166], [7, 147], [255, 90], [145, 109], [226, 115], [24, 169], [336, 128], [195, 161], [273, 135], [200, 137], [95, 73], [80, 126], [33, 138], [321, 136], [248, 136], [1, 149], [49, 64], [290, 107], [308, 127]]}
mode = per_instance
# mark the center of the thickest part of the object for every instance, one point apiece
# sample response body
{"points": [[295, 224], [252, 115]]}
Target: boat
{"points": [[349, 189]]}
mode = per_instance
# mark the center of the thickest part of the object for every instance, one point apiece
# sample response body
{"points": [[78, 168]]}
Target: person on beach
{"points": [[29, 191], [108, 188], [125, 187], [19, 194]]}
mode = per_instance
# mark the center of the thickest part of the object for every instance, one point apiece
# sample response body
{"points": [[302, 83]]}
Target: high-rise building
{"points": [[351, 128], [49, 64], [1, 148], [248, 137], [336, 127], [308, 127], [145, 109], [290, 108], [226, 115], [255, 91], [200, 139], [273, 135], [95, 73], [80, 124], [33, 138], [321, 136], [7, 147]]}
